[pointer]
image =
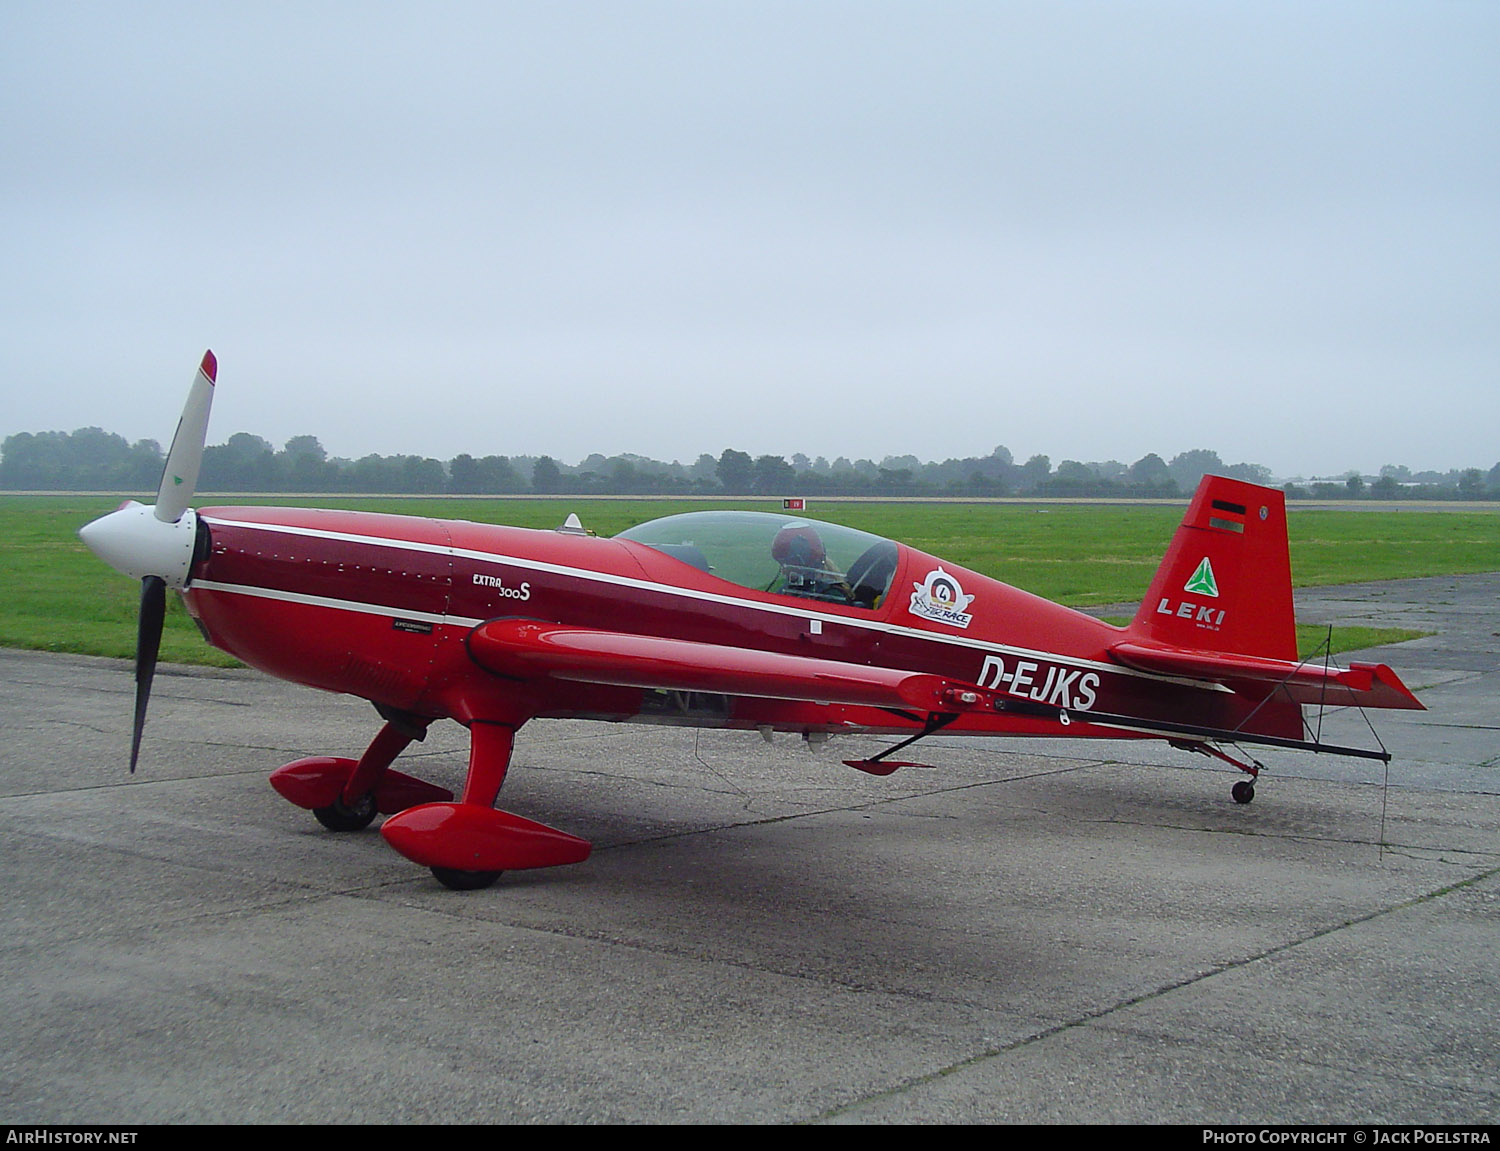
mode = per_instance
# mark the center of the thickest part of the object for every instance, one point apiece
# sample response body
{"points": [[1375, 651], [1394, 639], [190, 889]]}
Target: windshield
{"points": [[782, 554]]}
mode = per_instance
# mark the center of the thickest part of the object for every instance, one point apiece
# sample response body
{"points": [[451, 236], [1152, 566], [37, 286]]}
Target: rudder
{"points": [[1225, 583]]}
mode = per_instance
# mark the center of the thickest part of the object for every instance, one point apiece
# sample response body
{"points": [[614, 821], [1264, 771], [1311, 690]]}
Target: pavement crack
{"points": [[1089, 1018]]}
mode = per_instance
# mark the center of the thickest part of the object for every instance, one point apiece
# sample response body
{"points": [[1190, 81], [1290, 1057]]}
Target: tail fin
{"points": [[1225, 584]]}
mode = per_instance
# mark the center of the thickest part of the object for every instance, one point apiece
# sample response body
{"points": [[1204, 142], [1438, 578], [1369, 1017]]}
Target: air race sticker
{"points": [[941, 597]]}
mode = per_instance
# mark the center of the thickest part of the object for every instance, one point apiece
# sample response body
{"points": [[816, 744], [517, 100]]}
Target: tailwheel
{"points": [[341, 816], [456, 880], [1243, 791]]}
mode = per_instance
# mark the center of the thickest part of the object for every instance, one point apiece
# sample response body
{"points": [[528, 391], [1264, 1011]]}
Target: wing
{"points": [[529, 650]]}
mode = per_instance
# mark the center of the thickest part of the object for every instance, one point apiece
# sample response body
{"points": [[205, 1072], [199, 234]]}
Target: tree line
{"points": [[91, 459]]}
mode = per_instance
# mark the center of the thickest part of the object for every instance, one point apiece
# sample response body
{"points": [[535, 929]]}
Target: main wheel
{"points": [[1243, 791], [339, 816], [456, 880]]}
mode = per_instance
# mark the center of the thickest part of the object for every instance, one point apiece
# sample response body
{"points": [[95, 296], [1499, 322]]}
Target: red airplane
{"points": [[727, 619]]}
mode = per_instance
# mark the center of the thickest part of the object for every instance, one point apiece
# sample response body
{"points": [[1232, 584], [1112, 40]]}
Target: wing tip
{"points": [[210, 367]]}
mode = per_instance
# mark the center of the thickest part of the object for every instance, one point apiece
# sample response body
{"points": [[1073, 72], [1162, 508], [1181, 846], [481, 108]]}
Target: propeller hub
{"points": [[134, 542]]}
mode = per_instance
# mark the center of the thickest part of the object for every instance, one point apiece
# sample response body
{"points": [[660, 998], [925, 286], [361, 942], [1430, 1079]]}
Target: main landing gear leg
{"points": [[490, 745], [468, 844], [346, 794]]}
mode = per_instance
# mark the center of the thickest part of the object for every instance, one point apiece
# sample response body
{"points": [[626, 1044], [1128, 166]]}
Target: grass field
{"points": [[59, 598]]}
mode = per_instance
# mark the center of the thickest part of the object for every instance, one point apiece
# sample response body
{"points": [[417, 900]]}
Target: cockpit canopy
{"points": [[782, 554]]}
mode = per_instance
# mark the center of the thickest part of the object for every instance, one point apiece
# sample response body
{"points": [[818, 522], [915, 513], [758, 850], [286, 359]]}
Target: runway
{"points": [[1057, 931]]}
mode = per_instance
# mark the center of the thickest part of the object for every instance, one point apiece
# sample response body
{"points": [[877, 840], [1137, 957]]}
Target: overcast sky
{"points": [[1090, 230]]}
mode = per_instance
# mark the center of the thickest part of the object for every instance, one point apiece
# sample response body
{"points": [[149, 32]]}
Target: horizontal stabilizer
{"points": [[1361, 685]]}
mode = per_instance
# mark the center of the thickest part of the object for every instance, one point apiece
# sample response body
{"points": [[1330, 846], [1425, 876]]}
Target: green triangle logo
{"points": [[1202, 581]]}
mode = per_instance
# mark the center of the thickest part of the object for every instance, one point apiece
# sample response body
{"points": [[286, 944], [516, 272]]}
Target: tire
{"points": [[338, 816], [456, 880]]}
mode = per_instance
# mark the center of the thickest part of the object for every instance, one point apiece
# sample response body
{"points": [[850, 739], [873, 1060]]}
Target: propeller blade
{"points": [[147, 645], [180, 477], [159, 545]]}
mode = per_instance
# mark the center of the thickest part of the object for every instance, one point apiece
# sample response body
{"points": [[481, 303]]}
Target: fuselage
{"points": [[380, 606]]}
